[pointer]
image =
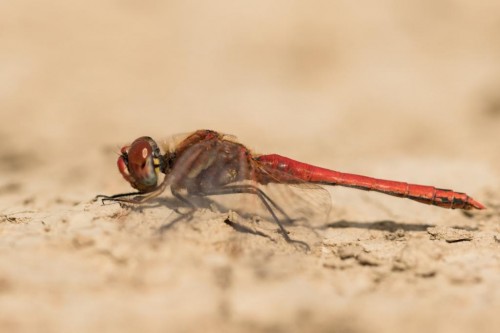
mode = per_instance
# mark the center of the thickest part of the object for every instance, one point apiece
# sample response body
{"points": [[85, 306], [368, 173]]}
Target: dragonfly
{"points": [[207, 163]]}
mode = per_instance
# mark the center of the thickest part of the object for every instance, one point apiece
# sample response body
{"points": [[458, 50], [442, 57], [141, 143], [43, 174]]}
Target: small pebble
{"points": [[451, 235]]}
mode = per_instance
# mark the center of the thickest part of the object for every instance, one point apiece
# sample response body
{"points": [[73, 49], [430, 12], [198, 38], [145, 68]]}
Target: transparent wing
{"points": [[304, 204]]}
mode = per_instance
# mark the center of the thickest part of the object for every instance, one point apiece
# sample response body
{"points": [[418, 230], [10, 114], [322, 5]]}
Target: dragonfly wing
{"points": [[303, 201]]}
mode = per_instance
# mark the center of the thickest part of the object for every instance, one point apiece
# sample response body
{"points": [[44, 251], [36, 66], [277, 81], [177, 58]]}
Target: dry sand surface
{"points": [[400, 90]]}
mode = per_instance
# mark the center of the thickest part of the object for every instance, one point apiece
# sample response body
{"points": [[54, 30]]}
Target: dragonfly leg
{"points": [[235, 189], [267, 201], [181, 198], [127, 197], [115, 197], [139, 196], [262, 195]]}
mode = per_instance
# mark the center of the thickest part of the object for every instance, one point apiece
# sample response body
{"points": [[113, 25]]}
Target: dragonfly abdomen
{"points": [[421, 193]]}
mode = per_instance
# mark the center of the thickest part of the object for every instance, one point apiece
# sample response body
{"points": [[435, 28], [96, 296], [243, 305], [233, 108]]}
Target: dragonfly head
{"points": [[141, 163]]}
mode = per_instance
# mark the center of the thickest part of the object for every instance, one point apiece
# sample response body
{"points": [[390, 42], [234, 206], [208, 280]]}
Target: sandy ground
{"points": [[408, 92]]}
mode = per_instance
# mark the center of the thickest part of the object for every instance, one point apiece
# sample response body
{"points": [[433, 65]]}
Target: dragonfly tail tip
{"points": [[475, 204]]}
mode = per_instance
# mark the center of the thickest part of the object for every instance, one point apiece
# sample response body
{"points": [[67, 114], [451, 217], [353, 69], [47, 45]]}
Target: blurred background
{"points": [[332, 82], [408, 90]]}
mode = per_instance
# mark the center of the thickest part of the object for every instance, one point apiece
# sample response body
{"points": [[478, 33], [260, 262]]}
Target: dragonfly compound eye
{"points": [[139, 164]]}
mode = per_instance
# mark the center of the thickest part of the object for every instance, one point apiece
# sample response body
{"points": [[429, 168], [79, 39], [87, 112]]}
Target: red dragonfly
{"points": [[207, 163]]}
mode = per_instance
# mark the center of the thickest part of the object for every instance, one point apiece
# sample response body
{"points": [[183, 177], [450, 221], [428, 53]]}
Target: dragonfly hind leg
{"points": [[266, 201]]}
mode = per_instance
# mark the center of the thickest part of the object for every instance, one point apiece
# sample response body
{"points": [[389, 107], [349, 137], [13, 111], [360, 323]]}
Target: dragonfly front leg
{"points": [[115, 197], [139, 197]]}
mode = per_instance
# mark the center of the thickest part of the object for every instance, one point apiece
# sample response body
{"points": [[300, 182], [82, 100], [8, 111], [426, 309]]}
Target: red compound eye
{"points": [[136, 164]]}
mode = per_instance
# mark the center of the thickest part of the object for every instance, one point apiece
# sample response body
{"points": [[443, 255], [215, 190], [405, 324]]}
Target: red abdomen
{"points": [[287, 170]]}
